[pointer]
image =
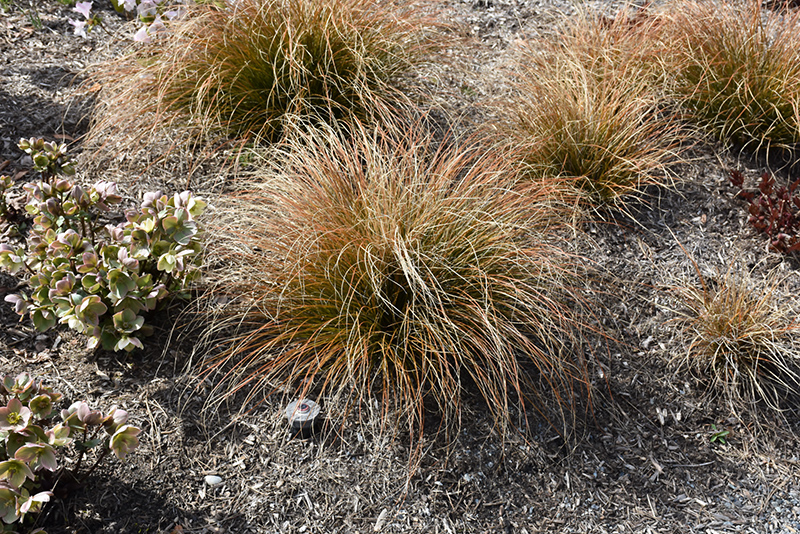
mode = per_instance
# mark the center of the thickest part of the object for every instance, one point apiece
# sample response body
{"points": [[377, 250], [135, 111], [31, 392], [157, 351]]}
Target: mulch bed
{"points": [[643, 460]]}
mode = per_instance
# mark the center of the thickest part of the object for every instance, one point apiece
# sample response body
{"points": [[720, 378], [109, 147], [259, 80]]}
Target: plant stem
{"points": [[28, 268], [82, 452], [99, 459]]}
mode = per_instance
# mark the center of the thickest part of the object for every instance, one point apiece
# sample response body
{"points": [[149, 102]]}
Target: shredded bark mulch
{"points": [[644, 459]]}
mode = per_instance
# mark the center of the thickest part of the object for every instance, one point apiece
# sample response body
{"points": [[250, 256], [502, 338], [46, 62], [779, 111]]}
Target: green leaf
{"points": [[43, 319], [132, 303], [119, 284], [14, 441], [92, 306], [183, 235], [8, 505], [91, 283], [88, 444]]}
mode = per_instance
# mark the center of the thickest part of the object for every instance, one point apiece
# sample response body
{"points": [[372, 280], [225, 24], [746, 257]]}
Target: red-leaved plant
{"points": [[774, 210]]}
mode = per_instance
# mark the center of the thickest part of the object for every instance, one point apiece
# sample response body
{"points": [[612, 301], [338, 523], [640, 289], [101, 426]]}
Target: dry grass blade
{"points": [[737, 68], [589, 108], [241, 70], [405, 270], [740, 338]]}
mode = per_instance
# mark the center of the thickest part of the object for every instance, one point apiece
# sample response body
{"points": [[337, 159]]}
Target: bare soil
{"points": [[642, 461]]}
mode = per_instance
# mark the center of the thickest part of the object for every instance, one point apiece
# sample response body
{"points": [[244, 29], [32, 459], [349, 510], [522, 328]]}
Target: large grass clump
{"points": [[737, 69], [741, 339], [242, 70], [363, 265], [589, 108]]}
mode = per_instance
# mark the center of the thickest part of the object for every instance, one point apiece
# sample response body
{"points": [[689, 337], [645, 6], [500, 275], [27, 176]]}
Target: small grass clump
{"points": [[241, 70], [363, 265], [737, 69], [741, 338], [588, 108]]}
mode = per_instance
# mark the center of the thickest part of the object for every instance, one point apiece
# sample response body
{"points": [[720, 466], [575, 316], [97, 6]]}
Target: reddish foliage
{"points": [[774, 210]]}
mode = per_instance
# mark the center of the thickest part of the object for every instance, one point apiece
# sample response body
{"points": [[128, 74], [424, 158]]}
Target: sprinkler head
{"points": [[303, 417]]}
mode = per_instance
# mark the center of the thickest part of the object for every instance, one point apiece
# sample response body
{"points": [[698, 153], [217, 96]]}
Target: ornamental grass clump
{"points": [[589, 108], [741, 338], [737, 70], [364, 265], [242, 70]]}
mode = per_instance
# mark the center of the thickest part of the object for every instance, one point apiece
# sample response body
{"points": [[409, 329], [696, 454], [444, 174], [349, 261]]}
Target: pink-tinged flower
{"points": [[124, 440], [117, 233], [41, 406], [80, 27], [105, 193], [145, 33], [126, 260], [20, 305], [147, 9], [141, 35], [157, 27], [18, 385], [58, 436], [15, 472], [84, 8], [37, 455], [151, 198], [129, 5], [15, 416], [72, 416], [115, 419], [34, 503], [174, 14], [87, 415]]}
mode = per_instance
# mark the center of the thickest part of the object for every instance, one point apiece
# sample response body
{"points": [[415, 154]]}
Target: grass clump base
{"points": [[402, 271]]}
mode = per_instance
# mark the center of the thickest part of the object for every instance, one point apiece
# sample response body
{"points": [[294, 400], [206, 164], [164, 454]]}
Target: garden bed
{"points": [[647, 458]]}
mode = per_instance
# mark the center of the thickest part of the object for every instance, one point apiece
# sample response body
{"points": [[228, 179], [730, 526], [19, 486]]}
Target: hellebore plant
{"points": [[151, 13], [82, 27], [30, 442], [6, 183], [97, 278]]}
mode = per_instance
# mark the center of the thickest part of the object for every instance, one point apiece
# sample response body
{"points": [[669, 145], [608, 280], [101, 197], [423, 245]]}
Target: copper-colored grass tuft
{"points": [[737, 69], [741, 338], [364, 265], [242, 70], [589, 107]]}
